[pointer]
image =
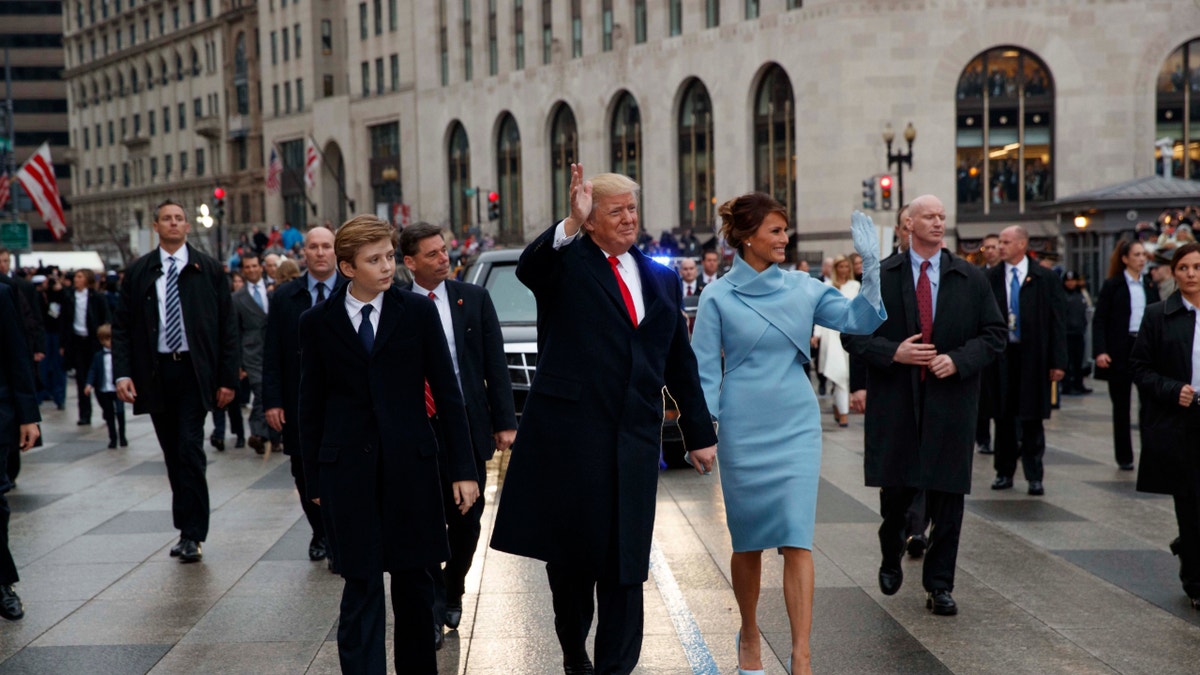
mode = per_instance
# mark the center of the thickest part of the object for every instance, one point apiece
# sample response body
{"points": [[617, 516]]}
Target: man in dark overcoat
{"points": [[281, 364], [1033, 300], [922, 395], [580, 488], [370, 452], [176, 357]]}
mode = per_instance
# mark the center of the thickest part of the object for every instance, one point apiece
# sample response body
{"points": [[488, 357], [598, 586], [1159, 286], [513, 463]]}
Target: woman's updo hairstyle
{"points": [[742, 216]]}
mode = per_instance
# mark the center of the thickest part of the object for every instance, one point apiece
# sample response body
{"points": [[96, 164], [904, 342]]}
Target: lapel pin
{"points": [[1028, 279], [196, 266], [460, 302]]}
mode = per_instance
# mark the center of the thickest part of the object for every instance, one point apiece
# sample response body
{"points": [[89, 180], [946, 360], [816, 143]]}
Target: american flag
{"points": [[311, 162], [274, 171], [37, 178], [4, 189]]}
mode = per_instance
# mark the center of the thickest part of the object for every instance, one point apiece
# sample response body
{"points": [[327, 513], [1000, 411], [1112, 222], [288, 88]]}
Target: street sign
{"points": [[5, 144], [15, 236]]}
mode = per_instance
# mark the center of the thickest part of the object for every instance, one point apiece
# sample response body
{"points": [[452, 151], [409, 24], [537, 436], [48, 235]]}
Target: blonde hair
{"points": [[104, 332], [609, 184], [286, 271], [360, 231], [837, 282]]}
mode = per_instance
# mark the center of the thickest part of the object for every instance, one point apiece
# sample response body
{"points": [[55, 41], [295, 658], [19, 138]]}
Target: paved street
{"points": [[1078, 581]]}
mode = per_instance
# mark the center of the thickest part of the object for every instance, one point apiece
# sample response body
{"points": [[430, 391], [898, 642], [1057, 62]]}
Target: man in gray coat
{"points": [[250, 304]]}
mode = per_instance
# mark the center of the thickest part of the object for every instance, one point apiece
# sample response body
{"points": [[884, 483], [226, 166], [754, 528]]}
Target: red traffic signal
{"points": [[885, 182], [219, 193], [493, 197]]}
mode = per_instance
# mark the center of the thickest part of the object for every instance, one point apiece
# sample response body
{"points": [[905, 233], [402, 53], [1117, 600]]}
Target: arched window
{"points": [[178, 66], [241, 80], [1178, 112], [626, 137], [1005, 134], [696, 206], [508, 169], [107, 89], [149, 77], [564, 148], [775, 140], [162, 62], [133, 79], [459, 153], [195, 62]]}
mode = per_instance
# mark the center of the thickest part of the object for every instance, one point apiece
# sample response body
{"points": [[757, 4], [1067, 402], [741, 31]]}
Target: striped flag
{"points": [[274, 171], [4, 188], [311, 162], [37, 177]]}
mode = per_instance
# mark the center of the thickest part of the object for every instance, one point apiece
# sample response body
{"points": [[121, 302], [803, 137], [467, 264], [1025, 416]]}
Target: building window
{"points": [[443, 43], [1177, 114], [519, 33], [287, 50], [751, 9], [639, 21], [1005, 134], [458, 153], [327, 88], [606, 21], [200, 162], [696, 207], [547, 32], [150, 122], [167, 163], [625, 141], [362, 21], [292, 184], [493, 48], [296, 37], [241, 76], [166, 117], [712, 13], [287, 98], [564, 148], [183, 113], [508, 171], [87, 177], [137, 126], [379, 17], [239, 153], [274, 52], [379, 76], [87, 143], [366, 79], [385, 166], [183, 164], [393, 23], [394, 63], [795, 4], [675, 12], [774, 139], [326, 37], [576, 28], [299, 94], [468, 55], [153, 168], [275, 100]]}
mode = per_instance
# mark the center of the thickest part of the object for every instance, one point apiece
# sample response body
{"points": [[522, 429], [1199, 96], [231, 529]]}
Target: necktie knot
{"points": [[366, 312], [626, 296], [432, 295], [366, 332], [612, 261], [320, 291], [924, 266]]}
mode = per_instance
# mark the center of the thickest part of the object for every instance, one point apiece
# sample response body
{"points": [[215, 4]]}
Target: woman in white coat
{"points": [[832, 360]]}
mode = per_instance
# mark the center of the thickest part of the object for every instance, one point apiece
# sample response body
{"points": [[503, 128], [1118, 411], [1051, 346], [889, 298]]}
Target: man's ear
{"points": [[346, 268]]}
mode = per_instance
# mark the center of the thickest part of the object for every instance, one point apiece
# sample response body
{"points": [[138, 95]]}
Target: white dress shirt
{"points": [[626, 267], [81, 307], [443, 307], [934, 273], [1137, 301], [1022, 272], [707, 279], [106, 384], [1195, 344], [160, 287], [262, 290], [354, 309], [689, 288]]}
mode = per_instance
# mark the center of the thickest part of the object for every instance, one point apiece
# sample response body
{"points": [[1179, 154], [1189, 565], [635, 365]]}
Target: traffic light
{"points": [[868, 193], [885, 192], [219, 203], [493, 206]]}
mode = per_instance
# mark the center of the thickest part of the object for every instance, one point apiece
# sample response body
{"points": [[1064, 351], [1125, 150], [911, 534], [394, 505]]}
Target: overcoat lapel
{"points": [[389, 317], [457, 318], [597, 264], [653, 294], [339, 321]]}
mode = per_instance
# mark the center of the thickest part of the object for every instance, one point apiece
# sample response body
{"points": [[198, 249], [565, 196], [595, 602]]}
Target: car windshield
{"points": [[514, 302]]}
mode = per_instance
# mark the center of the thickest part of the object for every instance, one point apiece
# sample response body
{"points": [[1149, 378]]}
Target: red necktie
{"points": [[925, 308], [689, 289], [430, 407], [625, 294]]}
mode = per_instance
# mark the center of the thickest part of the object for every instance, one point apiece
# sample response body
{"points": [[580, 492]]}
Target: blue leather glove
{"points": [[866, 243]]}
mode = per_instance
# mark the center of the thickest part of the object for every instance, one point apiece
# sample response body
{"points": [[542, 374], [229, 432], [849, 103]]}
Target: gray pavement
{"points": [[1078, 581]]}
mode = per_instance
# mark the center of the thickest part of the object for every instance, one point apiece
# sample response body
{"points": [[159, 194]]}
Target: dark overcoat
{"points": [[1161, 364], [922, 434], [584, 470], [208, 322], [30, 309], [482, 367], [1110, 323], [97, 314], [369, 450], [18, 394], [281, 352], [1043, 344]]}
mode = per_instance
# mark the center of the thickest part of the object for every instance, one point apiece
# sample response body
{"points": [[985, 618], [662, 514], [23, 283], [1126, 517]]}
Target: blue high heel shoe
{"points": [[737, 650]]}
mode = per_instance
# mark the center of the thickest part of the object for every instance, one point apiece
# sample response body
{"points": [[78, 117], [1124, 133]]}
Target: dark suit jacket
{"points": [[1043, 340], [252, 331], [585, 461], [207, 320], [29, 308], [281, 353], [926, 439], [482, 367], [370, 452], [18, 393], [1161, 364], [1110, 324], [97, 314]]}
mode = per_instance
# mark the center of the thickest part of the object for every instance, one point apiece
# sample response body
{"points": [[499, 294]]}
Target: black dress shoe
{"points": [[582, 668], [439, 637], [1174, 546], [940, 603], [1036, 488], [453, 616], [124, 443], [316, 549], [258, 443], [1126, 466], [890, 580], [177, 548], [10, 604], [83, 423], [1002, 483], [112, 444], [190, 551], [218, 443], [240, 442], [916, 545], [984, 449]]}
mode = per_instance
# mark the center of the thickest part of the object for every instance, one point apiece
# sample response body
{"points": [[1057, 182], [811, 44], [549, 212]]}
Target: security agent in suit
{"points": [[1033, 300], [472, 330], [176, 356], [83, 313], [581, 484], [281, 365], [18, 431], [370, 452], [29, 306], [250, 305]]}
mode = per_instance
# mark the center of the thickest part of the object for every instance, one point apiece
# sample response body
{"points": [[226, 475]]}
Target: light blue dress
{"points": [[769, 436]]}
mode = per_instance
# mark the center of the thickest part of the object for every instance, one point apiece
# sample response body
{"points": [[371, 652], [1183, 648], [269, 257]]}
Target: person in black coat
{"points": [[18, 432], [281, 365], [175, 356], [581, 483], [100, 382], [1123, 300], [28, 306], [1033, 299], [469, 321], [1076, 323], [84, 311], [1162, 364], [369, 356], [924, 394]]}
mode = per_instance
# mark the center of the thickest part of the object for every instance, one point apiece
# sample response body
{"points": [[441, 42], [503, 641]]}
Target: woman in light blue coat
{"points": [[769, 449]]}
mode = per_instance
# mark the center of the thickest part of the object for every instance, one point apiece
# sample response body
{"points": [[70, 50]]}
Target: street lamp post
{"points": [[899, 158]]}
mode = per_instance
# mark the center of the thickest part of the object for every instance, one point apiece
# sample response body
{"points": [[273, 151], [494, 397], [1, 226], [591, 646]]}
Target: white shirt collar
{"points": [[626, 259], [439, 290], [1021, 267], [354, 305], [1129, 279], [181, 257]]}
